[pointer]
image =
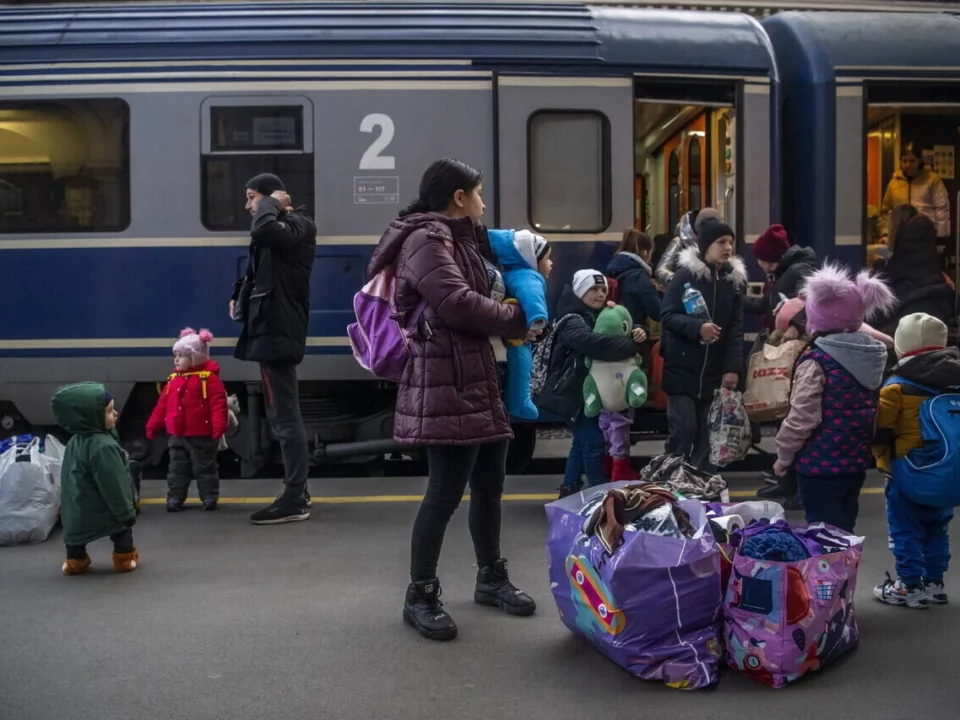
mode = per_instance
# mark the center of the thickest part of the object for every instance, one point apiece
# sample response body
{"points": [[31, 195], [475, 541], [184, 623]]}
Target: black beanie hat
{"points": [[265, 184], [710, 232], [108, 399]]}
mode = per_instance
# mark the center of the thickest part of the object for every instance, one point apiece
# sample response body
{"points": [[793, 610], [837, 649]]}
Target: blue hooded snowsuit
{"points": [[515, 253]]}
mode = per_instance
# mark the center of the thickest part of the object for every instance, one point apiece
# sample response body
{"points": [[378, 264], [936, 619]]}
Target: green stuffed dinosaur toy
{"points": [[619, 385]]}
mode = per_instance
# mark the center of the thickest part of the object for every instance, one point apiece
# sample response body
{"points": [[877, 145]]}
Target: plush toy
{"points": [[613, 386], [233, 411], [519, 253]]}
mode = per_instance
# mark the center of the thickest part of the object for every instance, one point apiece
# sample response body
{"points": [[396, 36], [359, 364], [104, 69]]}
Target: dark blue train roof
{"points": [[818, 46], [488, 34]]}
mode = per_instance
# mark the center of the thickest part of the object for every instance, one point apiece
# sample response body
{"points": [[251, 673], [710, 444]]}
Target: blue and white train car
{"points": [[126, 135]]}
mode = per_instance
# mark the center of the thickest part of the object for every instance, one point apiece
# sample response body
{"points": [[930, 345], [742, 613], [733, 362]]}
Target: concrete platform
{"points": [[225, 620]]}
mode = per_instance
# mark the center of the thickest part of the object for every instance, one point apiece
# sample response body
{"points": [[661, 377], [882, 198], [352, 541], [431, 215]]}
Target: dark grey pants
{"points": [[122, 544], [193, 458], [282, 403], [689, 433]]}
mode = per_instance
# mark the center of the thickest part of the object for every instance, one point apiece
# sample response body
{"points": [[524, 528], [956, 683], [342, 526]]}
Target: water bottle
{"points": [[694, 304]]}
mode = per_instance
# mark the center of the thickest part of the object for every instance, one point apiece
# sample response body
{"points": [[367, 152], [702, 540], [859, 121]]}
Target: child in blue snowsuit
{"points": [[526, 263], [918, 533]]}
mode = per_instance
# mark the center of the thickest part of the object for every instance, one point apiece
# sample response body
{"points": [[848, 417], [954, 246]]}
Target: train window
{"points": [[568, 170], [64, 166], [242, 137], [673, 189]]}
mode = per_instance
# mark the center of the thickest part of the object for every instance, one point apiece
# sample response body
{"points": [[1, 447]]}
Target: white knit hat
{"points": [[583, 280], [919, 331]]}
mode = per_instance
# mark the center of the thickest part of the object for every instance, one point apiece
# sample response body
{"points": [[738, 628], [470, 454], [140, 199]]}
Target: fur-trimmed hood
{"points": [[734, 271]]}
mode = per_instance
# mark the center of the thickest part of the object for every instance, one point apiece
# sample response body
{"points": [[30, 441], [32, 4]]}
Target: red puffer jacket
{"points": [[449, 393], [193, 404]]}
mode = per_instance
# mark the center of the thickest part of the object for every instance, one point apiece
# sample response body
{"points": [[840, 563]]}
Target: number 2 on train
{"points": [[372, 159]]}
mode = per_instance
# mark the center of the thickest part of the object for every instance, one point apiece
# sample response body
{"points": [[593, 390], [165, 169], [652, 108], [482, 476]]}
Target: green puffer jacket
{"points": [[96, 495]]}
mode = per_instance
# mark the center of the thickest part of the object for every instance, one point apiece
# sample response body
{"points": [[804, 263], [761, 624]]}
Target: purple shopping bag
{"points": [[652, 605], [785, 619]]}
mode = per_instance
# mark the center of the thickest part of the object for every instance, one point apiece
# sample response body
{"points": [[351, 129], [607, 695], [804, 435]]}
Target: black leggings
{"points": [[122, 543], [450, 467]]}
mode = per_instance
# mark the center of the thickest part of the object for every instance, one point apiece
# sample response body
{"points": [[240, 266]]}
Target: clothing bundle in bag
{"points": [[730, 437], [769, 375], [29, 491], [789, 605], [636, 573], [675, 473], [727, 519]]}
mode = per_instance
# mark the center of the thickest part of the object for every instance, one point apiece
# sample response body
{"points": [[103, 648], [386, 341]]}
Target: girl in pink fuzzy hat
{"points": [[827, 436], [193, 410]]}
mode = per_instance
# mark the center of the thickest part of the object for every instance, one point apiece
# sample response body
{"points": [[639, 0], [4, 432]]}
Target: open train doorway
{"points": [[685, 152]]}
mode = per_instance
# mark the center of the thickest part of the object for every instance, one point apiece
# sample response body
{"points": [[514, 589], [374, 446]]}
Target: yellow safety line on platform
{"points": [[360, 499]]}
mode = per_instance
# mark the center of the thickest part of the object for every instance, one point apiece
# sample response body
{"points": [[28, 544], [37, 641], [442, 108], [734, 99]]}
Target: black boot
{"points": [[423, 610], [495, 589]]}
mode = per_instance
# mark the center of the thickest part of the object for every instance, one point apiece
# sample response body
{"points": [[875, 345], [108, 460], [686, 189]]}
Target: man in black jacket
{"points": [[273, 303]]}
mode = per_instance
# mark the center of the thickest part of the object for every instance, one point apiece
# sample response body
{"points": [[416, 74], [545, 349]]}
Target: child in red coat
{"points": [[193, 410]]}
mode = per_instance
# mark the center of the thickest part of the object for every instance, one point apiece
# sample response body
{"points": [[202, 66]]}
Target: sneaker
{"points": [[935, 593], [783, 488], [209, 505], [174, 505], [284, 509], [898, 593], [567, 490], [494, 589], [423, 610], [769, 477], [76, 567]]}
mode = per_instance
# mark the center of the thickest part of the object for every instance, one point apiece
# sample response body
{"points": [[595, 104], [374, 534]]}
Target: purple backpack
{"points": [[380, 344]]}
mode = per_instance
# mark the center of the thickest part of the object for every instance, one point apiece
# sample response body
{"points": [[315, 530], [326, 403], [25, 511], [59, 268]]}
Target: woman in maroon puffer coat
{"points": [[449, 399]]}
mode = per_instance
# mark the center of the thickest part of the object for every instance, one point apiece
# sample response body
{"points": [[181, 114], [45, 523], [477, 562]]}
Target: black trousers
{"points": [[122, 543], [282, 403], [451, 467], [193, 458]]}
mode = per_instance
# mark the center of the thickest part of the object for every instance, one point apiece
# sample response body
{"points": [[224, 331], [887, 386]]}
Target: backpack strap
{"points": [[899, 380]]}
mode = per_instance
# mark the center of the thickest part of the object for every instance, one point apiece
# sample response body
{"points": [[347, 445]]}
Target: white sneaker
{"points": [[896, 593], [935, 593]]}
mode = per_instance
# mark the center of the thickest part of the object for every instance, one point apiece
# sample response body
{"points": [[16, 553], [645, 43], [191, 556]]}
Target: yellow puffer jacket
{"points": [[899, 411], [926, 192]]}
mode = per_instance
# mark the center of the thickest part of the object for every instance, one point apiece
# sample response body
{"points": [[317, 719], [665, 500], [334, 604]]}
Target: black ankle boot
{"points": [[495, 589], [423, 610]]}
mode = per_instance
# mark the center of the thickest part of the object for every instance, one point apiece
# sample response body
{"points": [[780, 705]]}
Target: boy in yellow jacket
{"points": [[918, 533]]}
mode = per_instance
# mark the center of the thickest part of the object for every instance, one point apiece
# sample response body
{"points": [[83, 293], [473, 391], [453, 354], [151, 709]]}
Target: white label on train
{"points": [[372, 159], [371, 190]]}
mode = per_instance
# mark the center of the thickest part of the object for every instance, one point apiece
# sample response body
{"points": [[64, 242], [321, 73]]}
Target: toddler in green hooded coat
{"points": [[96, 495]]}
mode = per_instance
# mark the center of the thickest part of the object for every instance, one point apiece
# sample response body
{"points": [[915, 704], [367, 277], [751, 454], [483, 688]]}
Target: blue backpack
{"points": [[930, 475]]}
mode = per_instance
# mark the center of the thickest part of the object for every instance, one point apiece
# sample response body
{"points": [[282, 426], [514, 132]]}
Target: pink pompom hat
{"points": [[194, 344], [837, 302]]}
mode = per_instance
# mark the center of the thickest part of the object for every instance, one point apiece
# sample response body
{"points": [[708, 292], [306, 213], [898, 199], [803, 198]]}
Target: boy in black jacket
{"points": [[562, 392], [700, 356]]}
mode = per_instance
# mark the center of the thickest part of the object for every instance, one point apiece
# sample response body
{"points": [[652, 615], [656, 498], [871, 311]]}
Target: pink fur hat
{"points": [[194, 344], [791, 307], [837, 302]]}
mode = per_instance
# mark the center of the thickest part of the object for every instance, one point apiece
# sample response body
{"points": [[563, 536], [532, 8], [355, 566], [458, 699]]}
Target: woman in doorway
{"points": [[916, 184], [448, 399]]}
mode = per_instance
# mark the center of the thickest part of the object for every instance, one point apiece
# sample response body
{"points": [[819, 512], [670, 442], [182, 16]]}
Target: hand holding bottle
{"points": [[709, 332]]}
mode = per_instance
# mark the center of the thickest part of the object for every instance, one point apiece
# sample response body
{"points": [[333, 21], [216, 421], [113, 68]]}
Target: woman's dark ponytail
{"points": [[416, 206], [439, 184]]}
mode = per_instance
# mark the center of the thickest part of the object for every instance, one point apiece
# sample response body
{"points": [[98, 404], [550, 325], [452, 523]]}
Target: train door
{"points": [[565, 160], [689, 140], [912, 135]]}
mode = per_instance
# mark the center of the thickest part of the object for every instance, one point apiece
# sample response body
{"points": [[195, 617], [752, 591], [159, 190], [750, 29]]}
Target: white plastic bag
{"points": [[29, 493], [730, 437]]}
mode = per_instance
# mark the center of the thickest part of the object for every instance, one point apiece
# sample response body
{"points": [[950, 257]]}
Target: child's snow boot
{"points": [[126, 562], [76, 567], [623, 471]]}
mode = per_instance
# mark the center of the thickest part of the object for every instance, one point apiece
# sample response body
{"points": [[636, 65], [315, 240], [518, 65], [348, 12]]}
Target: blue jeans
{"points": [[918, 538], [831, 500], [586, 452]]}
